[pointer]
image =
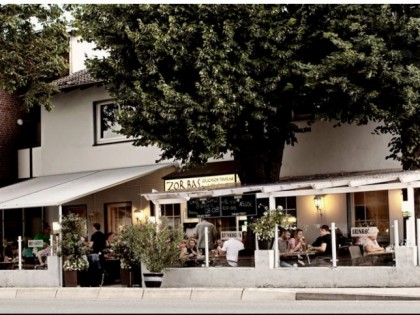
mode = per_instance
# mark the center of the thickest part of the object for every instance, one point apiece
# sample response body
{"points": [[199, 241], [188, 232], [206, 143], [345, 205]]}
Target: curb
{"points": [[309, 296], [201, 294]]}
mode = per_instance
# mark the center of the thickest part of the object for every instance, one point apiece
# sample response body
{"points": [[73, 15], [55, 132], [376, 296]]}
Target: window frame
{"points": [[99, 139]]}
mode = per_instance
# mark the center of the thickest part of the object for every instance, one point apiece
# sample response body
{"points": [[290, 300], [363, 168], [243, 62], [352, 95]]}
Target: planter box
{"points": [[71, 278]]}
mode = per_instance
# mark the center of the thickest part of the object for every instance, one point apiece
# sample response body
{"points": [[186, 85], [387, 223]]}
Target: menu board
{"points": [[233, 206], [226, 206], [203, 207]]}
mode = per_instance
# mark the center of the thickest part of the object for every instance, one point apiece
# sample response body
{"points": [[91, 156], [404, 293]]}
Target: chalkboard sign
{"points": [[233, 206], [203, 207]]}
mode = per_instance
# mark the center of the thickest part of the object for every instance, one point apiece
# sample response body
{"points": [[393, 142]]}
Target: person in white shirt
{"points": [[371, 243], [231, 248]]}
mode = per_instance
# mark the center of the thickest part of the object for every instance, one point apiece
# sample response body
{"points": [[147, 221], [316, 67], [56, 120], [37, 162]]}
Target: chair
{"points": [[357, 258]]}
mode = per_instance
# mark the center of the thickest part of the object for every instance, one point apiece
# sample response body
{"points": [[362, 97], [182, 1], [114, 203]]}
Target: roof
{"points": [[325, 184], [55, 190], [210, 169], [78, 79]]}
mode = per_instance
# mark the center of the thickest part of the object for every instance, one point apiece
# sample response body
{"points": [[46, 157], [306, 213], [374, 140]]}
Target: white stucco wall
{"points": [[331, 150], [68, 138], [78, 52]]}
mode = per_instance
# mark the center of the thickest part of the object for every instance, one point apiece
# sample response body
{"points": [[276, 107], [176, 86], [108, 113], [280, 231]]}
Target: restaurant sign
{"points": [[225, 235], [199, 182], [360, 230]]}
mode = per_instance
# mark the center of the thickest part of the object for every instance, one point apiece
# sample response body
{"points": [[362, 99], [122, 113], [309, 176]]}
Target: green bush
{"points": [[71, 246], [158, 245]]}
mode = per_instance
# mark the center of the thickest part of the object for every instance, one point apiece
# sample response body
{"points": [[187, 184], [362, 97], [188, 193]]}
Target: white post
{"points": [[408, 241], [271, 202], [60, 237], [410, 222], [20, 251], [333, 244], [276, 247], [206, 248], [418, 242], [256, 241], [51, 244], [396, 239]]}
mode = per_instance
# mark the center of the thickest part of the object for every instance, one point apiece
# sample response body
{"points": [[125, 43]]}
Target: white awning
{"points": [[56, 190], [330, 185]]}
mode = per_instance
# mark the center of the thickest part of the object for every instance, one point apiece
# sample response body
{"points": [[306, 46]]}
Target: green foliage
{"points": [[203, 80], [264, 226], [32, 54], [157, 244], [122, 246], [71, 246]]}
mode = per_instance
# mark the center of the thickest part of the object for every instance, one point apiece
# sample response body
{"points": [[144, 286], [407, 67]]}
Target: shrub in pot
{"points": [[72, 246], [158, 247]]}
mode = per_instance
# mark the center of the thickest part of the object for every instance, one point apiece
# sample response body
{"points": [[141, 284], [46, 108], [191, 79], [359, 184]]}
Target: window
{"points": [[288, 204], [371, 209], [173, 213], [107, 128], [117, 215]]}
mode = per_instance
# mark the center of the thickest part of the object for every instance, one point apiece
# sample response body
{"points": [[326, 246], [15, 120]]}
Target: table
{"points": [[195, 261], [297, 254], [382, 258], [6, 265]]}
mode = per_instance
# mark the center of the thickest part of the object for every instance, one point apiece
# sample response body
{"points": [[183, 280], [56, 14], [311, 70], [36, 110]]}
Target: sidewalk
{"points": [[218, 294]]}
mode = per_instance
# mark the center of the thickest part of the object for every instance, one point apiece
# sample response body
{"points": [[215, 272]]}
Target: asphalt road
{"points": [[64, 306]]}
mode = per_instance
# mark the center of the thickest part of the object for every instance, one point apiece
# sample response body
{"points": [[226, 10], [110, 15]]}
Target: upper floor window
{"points": [[106, 125]]}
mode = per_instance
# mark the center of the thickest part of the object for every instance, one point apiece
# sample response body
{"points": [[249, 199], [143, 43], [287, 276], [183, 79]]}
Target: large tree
{"points": [[203, 80], [33, 47]]}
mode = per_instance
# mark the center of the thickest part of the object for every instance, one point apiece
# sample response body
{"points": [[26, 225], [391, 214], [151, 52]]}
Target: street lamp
{"points": [[138, 214], [319, 204]]}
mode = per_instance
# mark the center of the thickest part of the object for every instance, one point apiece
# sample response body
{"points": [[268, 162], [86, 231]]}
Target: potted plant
{"points": [[73, 248], [264, 226], [122, 248], [158, 248]]}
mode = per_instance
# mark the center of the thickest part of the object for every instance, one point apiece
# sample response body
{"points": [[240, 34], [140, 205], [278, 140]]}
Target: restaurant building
{"points": [[82, 165]]}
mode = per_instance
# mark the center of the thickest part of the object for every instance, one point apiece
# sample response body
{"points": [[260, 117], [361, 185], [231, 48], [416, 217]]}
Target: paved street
{"points": [[139, 306]]}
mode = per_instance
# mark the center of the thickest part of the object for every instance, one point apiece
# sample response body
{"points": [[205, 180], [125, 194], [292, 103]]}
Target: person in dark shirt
{"points": [[98, 239], [322, 244], [96, 258]]}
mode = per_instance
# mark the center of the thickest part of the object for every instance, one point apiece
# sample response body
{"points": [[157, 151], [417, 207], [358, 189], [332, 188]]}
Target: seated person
{"points": [[322, 244], [283, 246], [42, 254], [44, 236], [11, 252], [189, 252], [297, 242], [231, 249], [371, 245], [218, 246]]}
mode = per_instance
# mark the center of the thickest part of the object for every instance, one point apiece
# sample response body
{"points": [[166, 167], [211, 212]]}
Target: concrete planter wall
{"points": [[405, 274]]}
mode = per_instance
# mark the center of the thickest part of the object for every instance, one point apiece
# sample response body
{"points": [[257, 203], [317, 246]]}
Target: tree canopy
{"points": [[33, 46], [203, 80]]}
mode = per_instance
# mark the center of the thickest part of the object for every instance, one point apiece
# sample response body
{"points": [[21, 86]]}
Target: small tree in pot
{"points": [[158, 247], [122, 248], [72, 247]]}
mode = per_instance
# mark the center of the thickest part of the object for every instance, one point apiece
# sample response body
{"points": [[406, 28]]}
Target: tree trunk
{"points": [[259, 164]]}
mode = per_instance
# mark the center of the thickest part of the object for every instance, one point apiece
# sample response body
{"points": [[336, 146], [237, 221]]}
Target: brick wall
{"points": [[9, 138]]}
